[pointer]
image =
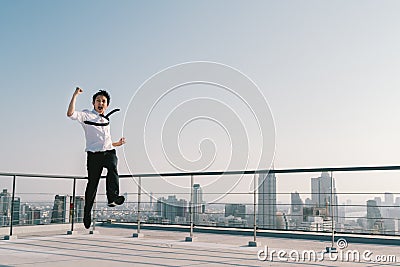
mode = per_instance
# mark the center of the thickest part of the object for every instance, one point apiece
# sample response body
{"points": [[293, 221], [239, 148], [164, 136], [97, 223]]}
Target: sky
{"points": [[327, 72]]}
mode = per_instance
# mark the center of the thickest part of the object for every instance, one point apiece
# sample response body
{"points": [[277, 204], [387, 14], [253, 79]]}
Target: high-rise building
{"points": [[151, 201], [389, 199], [296, 211], [5, 208], [323, 195], [59, 214], [236, 210], [172, 209], [197, 202], [79, 208], [267, 201], [16, 210], [388, 212], [296, 202], [374, 217], [160, 207], [26, 214]]}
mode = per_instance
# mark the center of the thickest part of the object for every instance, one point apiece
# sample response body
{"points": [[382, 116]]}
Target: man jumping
{"points": [[100, 150]]}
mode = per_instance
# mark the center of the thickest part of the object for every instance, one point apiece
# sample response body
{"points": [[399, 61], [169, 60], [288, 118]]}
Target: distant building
{"points": [[151, 201], [237, 222], [267, 201], [389, 216], [397, 213], [378, 201], [171, 210], [316, 219], [296, 210], [323, 195], [389, 199], [308, 202], [5, 208], [79, 208], [342, 213], [36, 217], [197, 203], [374, 217], [26, 214], [236, 210], [59, 214], [16, 210]]}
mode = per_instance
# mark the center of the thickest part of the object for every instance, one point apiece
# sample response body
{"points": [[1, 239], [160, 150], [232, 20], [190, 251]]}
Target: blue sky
{"points": [[328, 69]]}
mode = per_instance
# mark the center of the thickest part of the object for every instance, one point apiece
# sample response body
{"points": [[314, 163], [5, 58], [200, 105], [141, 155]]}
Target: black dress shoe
{"points": [[87, 220], [119, 200]]}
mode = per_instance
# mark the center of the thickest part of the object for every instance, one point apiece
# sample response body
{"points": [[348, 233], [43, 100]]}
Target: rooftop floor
{"points": [[117, 247]]}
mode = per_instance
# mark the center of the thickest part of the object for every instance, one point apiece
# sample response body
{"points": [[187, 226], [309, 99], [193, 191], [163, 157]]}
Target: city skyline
{"points": [[378, 215], [171, 211]]}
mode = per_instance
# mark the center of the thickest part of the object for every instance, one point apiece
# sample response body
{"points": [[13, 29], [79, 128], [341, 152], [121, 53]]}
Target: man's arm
{"points": [[120, 142], [71, 107]]}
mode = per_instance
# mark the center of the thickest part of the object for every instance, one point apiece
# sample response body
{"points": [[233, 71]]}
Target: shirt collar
{"points": [[95, 112]]}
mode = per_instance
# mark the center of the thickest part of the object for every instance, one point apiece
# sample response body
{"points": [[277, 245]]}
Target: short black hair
{"points": [[103, 93]]}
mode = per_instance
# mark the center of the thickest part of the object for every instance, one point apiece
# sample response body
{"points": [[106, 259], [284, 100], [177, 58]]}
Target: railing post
{"points": [[10, 236], [254, 242], [72, 207], [191, 211], [332, 247], [138, 234]]}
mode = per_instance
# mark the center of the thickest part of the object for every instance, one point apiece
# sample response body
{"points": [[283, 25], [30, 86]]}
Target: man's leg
{"points": [[94, 168], [112, 179]]}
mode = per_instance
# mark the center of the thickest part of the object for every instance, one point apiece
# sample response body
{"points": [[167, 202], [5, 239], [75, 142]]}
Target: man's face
{"points": [[100, 104]]}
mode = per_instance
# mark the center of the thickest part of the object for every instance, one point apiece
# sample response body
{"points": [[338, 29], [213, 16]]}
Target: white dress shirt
{"points": [[98, 138]]}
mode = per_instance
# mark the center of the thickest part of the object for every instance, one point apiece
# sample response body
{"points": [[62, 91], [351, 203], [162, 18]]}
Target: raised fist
{"points": [[78, 91]]}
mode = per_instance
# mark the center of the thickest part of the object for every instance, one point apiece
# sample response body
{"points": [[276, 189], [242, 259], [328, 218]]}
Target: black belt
{"points": [[104, 116], [101, 152]]}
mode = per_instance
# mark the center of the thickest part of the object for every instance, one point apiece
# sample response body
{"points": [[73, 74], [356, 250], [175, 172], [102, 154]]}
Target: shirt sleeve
{"points": [[80, 116]]}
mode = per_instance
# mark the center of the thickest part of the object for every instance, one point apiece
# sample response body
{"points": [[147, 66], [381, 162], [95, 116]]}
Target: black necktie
{"points": [[104, 116]]}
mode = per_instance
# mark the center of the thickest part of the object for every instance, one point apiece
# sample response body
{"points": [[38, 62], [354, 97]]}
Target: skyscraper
{"points": [[16, 210], [170, 208], [267, 201], [296, 210], [388, 212], [79, 206], [197, 202], [374, 217], [5, 208], [59, 209], [323, 195]]}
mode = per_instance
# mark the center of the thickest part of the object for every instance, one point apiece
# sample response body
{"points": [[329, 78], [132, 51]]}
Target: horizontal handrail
{"points": [[213, 173], [33, 175]]}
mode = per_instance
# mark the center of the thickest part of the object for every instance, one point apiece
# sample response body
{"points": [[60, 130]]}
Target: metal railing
{"points": [[141, 211]]}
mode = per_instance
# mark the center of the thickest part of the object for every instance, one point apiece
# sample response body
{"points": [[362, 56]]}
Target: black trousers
{"points": [[96, 161]]}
